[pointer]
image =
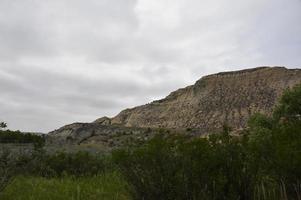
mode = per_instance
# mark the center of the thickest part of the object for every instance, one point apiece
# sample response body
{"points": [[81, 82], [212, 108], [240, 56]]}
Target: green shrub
{"points": [[8, 136], [61, 163], [289, 108], [178, 167], [264, 163], [8, 168]]}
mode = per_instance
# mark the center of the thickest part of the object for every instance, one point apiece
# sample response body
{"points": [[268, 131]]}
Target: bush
{"points": [[264, 163], [61, 164], [8, 168], [8, 136], [179, 167], [289, 108]]}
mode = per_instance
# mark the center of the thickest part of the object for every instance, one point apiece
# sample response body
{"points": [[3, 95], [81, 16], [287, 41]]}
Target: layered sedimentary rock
{"points": [[105, 137], [214, 100]]}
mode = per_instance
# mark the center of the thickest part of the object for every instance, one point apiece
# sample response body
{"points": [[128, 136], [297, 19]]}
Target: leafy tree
{"points": [[8, 136], [179, 167], [289, 108], [3, 125], [264, 163], [276, 142]]}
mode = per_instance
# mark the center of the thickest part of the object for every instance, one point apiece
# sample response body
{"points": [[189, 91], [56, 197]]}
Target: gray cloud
{"points": [[63, 61]]}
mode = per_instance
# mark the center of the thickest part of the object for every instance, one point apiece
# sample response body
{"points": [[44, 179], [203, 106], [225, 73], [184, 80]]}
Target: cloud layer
{"points": [[71, 60]]}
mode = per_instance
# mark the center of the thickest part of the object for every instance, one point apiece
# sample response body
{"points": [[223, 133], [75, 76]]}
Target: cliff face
{"points": [[214, 100], [96, 136], [224, 98]]}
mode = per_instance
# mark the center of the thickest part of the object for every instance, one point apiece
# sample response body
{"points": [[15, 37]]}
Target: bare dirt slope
{"points": [[223, 98]]}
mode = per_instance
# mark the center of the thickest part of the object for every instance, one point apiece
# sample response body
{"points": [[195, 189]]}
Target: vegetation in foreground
{"points": [[263, 163], [8, 136], [109, 186]]}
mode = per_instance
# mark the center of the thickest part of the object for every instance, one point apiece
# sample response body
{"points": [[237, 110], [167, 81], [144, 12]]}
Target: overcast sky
{"points": [[63, 61]]}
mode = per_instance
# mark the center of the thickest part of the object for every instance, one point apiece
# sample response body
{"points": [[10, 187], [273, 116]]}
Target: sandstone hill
{"points": [[214, 100]]}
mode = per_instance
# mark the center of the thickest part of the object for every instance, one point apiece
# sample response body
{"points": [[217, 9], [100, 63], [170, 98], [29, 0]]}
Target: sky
{"points": [[64, 61]]}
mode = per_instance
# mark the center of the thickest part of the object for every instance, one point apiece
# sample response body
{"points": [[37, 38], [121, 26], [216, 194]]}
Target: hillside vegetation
{"points": [[263, 162], [8, 136]]}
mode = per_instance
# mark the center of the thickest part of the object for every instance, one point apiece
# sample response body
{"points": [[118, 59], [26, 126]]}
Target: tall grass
{"points": [[109, 186], [7, 168]]}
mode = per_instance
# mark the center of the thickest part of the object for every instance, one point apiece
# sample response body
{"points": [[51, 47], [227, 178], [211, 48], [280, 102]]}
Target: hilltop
{"points": [[213, 101]]}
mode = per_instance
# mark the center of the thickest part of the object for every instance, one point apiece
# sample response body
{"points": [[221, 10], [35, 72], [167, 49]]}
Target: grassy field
{"points": [[107, 187]]}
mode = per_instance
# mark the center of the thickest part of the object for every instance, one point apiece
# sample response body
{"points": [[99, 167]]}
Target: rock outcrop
{"points": [[105, 137], [103, 121], [213, 101]]}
